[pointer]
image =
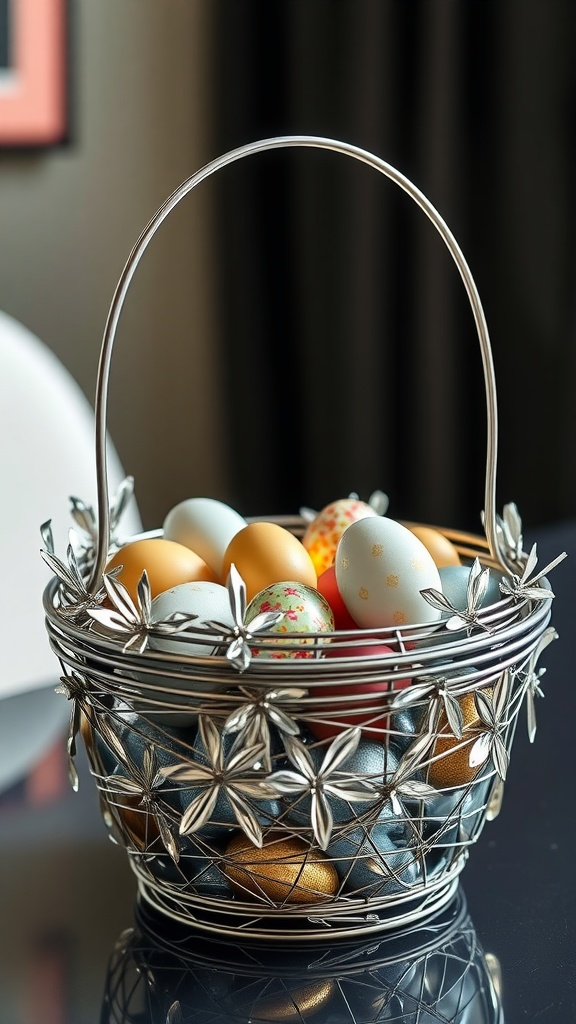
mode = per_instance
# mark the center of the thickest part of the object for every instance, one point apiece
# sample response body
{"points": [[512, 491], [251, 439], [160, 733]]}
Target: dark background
{"points": [[347, 342]]}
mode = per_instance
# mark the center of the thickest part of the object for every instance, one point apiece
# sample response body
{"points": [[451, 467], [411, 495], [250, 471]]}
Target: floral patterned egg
{"points": [[323, 533], [305, 611]]}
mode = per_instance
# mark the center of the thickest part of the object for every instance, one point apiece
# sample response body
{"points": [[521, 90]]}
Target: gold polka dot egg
{"points": [[381, 569]]}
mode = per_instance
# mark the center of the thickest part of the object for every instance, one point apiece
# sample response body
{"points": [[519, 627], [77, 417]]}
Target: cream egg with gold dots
{"points": [[381, 567]]}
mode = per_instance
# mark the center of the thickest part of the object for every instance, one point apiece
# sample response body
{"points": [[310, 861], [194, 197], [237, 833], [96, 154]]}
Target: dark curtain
{"points": [[349, 352]]}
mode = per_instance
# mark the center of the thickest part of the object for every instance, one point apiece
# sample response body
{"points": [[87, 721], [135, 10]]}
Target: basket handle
{"points": [[285, 142]]}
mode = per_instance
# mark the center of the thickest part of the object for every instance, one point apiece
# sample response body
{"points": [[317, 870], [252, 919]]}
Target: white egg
{"points": [[206, 526], [381, 567], [206, 600]]}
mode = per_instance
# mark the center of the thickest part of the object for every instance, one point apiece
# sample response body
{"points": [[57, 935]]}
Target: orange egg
{"points": [[442, 550], [264, 554], [167, 564], [453, 765]]}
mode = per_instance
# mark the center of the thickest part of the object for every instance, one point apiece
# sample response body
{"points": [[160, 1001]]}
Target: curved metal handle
{"points": [[285, 142]]}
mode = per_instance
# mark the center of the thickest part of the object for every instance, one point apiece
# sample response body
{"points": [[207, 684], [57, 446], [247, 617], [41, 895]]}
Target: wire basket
{"points": [[430, 972], [252, 793]]}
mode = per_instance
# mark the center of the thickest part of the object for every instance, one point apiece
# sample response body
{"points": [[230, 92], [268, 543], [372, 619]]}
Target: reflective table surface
{"points": [[77, 949]]}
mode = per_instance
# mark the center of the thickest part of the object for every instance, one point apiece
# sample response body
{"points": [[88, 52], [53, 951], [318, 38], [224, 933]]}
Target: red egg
{"points": [[371, 715], [329, 589]]}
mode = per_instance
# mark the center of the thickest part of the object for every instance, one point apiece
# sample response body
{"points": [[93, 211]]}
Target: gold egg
{"points": [[442, 550], [453, 769], [292, 1007], [283, 870]]}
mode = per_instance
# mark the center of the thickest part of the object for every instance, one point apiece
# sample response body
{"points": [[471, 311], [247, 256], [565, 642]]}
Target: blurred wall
{"points": [[140, 124]]}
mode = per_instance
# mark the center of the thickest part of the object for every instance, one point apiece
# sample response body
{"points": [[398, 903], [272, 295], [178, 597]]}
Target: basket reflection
{"points": [[161, 974]]}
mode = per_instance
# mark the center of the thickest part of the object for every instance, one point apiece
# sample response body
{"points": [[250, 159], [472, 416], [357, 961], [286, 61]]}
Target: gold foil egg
{"points": [[295, 1005], [453, 765], [284, 870]]}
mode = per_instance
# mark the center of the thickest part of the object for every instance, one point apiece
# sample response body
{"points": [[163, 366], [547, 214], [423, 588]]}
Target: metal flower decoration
{"points": [[441, 691], [252, 720], [134, 622], [75, 689], [531, 679], [85, 517], [239, 640], [75, 598], [324, 782], [523, 588], [144, 783], [402, 784], [493, 713], [466, 618], [236, 777]]}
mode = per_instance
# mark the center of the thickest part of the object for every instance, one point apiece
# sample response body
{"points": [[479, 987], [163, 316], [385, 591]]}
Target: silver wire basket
{"points": [[236, 817]]}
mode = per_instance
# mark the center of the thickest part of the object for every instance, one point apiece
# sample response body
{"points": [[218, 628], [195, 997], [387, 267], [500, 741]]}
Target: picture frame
{"points": [[33, 73]]}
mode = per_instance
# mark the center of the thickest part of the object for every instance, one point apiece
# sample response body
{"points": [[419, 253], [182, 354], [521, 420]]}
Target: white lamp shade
{"points": [[46, 456]]}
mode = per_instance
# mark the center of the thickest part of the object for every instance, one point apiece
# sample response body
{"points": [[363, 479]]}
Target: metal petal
{"points": [[246, 818], [411, 695], [453, 715], [211, 740], [307, 514], [341, 748], [245, 760], [111, 619], [120, 501], [239, 653], [502, 695], [198, 811], [145, 596], [379, 502], [531, 563], [480, 750], [536, 593], [120, 598], [121, 784], [73, 774], [265, 620], [416, 753], [500, 757], [322, 820], [174, 1015], [256, 789], [238, 719], [419, 790], [531, 714], [299, 756], [60, 570], [237, 595], [477, 585], [167, 838], [354, 792], [485, 708], [195, 774], [283, 722], [47, 536], [111, 739], [83, 515], [437, 600], [286, 783], [456, 622]]}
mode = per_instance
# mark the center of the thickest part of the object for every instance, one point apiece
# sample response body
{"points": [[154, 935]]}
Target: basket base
{"points": [[417, 909]]}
